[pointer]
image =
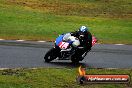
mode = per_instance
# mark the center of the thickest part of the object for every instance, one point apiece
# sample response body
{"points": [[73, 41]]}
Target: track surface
{"points": [[30, 55]]}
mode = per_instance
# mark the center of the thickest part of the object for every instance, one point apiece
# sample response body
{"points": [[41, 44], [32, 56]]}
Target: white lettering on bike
{"points": [[64, 45]]}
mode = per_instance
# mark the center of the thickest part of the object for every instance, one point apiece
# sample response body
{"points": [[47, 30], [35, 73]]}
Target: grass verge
{"points": [[54, 78]]}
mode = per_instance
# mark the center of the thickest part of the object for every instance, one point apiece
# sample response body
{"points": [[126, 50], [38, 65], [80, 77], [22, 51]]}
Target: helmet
{"points": [[83, 29]]}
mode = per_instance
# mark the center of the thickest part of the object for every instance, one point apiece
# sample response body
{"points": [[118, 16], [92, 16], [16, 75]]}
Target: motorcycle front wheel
{"points": [[50, 55], [75, 59]]}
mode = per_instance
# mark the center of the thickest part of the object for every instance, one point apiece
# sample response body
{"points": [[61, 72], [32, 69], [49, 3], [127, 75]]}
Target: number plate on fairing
{"points": [[63, 45]]}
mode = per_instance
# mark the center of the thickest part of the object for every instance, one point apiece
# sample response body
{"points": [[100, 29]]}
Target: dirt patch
{"points": [[106, 8]]}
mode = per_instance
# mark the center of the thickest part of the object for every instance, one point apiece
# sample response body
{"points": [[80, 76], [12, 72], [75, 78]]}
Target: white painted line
{"points": [[41, 41], [2, 39], [34, 68], [112, 68], [3, 68], [119, 44], [20, 40]]}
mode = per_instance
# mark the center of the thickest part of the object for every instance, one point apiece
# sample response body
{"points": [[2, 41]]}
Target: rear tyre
{"points": [[50, 55]]}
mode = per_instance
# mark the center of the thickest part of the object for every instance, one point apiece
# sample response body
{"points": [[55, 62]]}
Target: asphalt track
{"points": [[26, 54]]}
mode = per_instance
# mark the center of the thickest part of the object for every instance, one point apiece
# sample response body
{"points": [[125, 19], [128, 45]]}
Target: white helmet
{"points": [[83, 29]]}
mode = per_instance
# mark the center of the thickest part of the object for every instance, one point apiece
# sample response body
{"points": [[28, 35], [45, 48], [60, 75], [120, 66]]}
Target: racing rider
{"points": [[84, 37]]}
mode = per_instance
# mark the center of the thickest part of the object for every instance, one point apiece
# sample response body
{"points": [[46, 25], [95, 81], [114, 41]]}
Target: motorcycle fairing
{"points": [[59, 39]]}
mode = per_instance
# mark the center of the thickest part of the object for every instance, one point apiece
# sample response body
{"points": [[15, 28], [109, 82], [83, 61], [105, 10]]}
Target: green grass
{"points": [[110, 21], [54, 78]]}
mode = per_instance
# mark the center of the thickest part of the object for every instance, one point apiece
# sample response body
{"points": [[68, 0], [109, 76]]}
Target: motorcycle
{"points": [[65, 51]]}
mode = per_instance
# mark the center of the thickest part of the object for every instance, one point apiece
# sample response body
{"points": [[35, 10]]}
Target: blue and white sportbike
{"points": [[65, 49]]}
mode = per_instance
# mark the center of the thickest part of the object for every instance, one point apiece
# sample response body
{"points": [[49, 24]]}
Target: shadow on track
{"points": [[68, 64]]}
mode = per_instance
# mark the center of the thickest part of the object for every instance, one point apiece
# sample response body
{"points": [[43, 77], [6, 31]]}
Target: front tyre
{"points": [[50, 55], [74, 59]]}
